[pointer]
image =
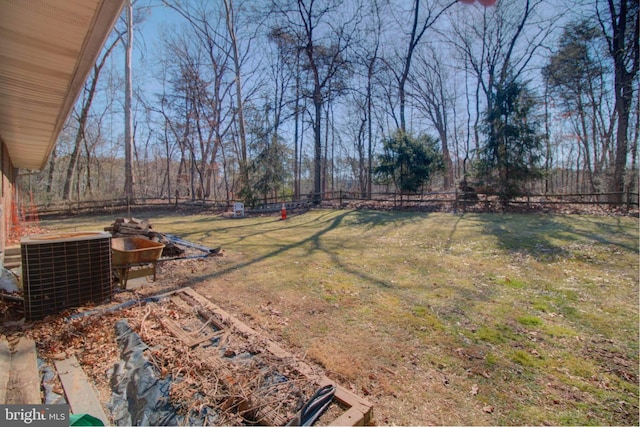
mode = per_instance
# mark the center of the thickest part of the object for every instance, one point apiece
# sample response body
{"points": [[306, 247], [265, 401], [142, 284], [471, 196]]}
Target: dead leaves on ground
{"points": [[235, 374]]}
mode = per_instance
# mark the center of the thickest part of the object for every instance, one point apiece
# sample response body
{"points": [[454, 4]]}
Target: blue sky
{"points": [[147, 44]]}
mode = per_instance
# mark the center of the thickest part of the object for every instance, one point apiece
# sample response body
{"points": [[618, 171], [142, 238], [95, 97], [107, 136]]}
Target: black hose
{"points": [[311, 411]]}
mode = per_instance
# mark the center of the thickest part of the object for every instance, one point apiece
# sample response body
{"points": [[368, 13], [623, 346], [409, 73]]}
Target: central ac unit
{"points": [[65, 270]]}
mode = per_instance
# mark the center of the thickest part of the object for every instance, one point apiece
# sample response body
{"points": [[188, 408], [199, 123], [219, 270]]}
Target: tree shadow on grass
{"points": [[545, 238], [367, 220], [313, 243], [372, 219], [314, 239], [538, 235]]}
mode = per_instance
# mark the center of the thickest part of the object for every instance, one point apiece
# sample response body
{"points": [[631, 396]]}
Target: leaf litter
{"points": [[232, 374]]}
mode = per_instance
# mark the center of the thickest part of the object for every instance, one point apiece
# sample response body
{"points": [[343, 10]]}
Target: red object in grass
{"points": [[283, 212]]}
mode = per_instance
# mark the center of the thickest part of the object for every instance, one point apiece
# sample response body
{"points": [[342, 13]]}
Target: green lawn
{"points": [[438, 318]]}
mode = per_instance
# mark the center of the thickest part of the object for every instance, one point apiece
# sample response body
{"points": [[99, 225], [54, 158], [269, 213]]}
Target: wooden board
{"points": [[5, 366], [24, 378], [200, 309], [359, 412], [208, 337], [180, 303], [177, 331], [79, 392]]}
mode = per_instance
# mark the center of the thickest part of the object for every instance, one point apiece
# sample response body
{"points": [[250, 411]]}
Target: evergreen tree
{"points": [[512, 152], [408, 162], [269, 169]]}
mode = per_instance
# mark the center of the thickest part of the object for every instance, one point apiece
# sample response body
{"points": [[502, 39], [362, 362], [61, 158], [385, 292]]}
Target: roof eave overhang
{"points": [[42, 72]]}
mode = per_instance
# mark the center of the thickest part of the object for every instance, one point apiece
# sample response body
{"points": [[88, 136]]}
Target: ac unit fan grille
{"points": [[58, 275]]}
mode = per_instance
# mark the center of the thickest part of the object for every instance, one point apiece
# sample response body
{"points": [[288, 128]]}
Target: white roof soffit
{"points": [[47, 49]]}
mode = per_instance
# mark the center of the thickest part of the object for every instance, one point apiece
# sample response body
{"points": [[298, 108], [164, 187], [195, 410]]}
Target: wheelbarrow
{"points": [[133, 257]]}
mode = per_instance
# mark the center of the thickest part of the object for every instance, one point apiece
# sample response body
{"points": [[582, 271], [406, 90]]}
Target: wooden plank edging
{"points": [[359, 412], [23, 386], [5, 368], [80, 394]]}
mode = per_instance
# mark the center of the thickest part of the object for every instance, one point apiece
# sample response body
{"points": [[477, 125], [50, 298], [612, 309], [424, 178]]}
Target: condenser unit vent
{"points": [[65, 270]]}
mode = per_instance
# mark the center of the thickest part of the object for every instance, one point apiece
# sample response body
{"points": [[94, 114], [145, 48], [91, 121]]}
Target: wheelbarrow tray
{"points": [[127, 251]]}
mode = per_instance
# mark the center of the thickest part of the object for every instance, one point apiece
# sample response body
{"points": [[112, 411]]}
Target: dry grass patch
{"points": [[438, 318]]}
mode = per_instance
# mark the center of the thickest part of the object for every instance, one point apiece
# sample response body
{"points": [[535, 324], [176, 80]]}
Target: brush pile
{"points": [[172, 361]]}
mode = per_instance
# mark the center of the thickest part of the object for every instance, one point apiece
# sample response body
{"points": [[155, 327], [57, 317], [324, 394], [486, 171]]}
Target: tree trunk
{"points": [[623, 83], [75, 155], [128, 137], [296, 138], [230, 16], [317, 145], [82, 120], [369, 131], [448, 164], [52, 167]]}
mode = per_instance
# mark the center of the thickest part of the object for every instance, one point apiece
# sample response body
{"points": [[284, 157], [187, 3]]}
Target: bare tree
{"points": [[421, 21], [128, 121], [369, 59], [230, 18], [578, 80], [323, 32], [498, 45], [431, 94], [226, 93], [621, 25], [633, 181], [215, 112], [83, 115], [344, 75]]}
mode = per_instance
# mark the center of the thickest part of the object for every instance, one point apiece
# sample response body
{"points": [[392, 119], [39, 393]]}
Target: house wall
{"points": [[6, 193]]}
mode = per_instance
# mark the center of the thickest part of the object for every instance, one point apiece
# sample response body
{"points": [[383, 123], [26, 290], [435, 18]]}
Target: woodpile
{"points": [[130, 227], [134, 227]]}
